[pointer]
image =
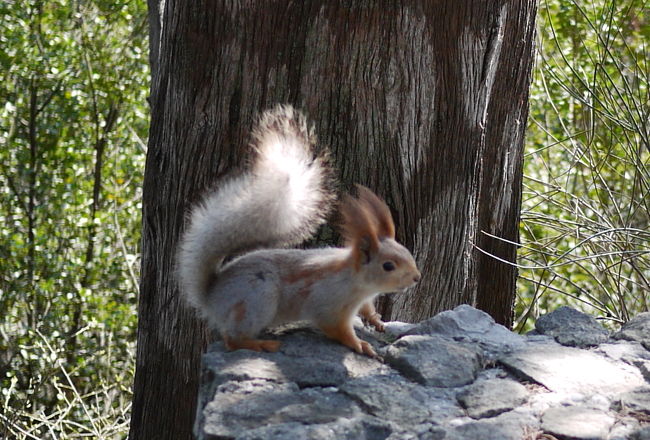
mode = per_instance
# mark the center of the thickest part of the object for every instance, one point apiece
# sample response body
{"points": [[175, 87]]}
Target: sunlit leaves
{"points": [[73, 85], [587, 188]]}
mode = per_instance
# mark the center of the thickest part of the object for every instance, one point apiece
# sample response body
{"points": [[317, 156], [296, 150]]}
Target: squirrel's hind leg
{"points": [[243, 321]]}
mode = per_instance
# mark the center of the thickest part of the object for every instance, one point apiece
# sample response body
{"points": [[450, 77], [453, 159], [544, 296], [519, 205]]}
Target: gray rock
{"points": [[434, 360], [358, 428], [481, 431], [631, 353], [488, 398], [468, 324], [641, 434], [541, 400], [636, 329], [572, 328], [316, 388], [571, 370], [402, 402], [333, 365], [241, 406], [577, 422], [507, 426], [644, 368], [636, 401], [421, 432], [624, 428], [627, 351], [396, 329]]}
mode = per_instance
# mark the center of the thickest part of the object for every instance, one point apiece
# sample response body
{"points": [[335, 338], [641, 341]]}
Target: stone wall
{"points": [[457, 375]]}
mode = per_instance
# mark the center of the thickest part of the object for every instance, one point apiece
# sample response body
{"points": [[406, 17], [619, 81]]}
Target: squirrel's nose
{"points": [[417, 277]]}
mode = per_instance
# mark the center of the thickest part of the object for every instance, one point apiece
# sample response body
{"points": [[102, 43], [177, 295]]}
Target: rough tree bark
{"points": [[424, 102]]}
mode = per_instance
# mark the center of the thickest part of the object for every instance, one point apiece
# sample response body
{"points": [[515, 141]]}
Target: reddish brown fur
{"points": [[357, 221], [239, 310], [344, 333], [308, 277], [357, 229], [379, 211], [252, 344], [305, 291], [366, 220]]}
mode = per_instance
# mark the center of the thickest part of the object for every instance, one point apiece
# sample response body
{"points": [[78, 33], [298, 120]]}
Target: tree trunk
{"points": [[424, 102]]}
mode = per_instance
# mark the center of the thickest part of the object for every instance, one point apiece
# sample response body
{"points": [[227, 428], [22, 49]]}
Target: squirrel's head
{"points": [[368, 229]]}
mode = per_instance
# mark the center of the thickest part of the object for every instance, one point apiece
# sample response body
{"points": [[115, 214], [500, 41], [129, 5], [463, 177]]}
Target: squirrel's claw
{"points": [[367, 349]]}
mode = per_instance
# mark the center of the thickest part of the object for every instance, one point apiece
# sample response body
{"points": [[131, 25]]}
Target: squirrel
{"points": [[283, 197]]}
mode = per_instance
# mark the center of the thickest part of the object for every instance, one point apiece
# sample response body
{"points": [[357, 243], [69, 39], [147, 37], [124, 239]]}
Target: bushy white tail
{"points": [[280, 201]]}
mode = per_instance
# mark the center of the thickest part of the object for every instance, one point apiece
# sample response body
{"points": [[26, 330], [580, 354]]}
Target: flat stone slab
{"points": [[446, 363], [627, 351], [572, 328], [571, 370], [577, 422], [403, 402], [492, 397], [333, 365], [630, 352], [241, 406], [506, 426]]}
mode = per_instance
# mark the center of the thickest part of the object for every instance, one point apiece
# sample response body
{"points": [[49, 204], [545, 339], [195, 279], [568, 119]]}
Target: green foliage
{"points": [[72, 118], [586, 203]]}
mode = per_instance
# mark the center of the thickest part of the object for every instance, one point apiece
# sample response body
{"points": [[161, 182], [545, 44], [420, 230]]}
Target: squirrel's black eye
{"points": [[388, 266]]}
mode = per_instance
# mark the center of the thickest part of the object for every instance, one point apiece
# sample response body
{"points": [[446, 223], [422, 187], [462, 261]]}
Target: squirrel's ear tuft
{"points": [[378, 210], [358, 228], [365, 221]]}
